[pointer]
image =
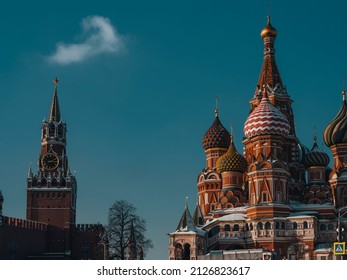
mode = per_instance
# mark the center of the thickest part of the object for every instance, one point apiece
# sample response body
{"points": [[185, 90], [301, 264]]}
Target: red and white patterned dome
{"points": [[266, 119]]}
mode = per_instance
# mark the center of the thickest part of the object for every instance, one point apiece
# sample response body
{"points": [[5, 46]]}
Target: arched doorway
{"points": [[186, 252]]}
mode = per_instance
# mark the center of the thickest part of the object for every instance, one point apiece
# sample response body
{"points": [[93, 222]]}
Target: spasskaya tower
{"points": [[52, 191]]}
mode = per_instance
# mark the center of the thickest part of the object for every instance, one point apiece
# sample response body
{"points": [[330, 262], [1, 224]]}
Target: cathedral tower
{"points": [[270, 80], [335, 137], [215, 142], [232, 167], [51, 192], [317, 190], [265, 129]]}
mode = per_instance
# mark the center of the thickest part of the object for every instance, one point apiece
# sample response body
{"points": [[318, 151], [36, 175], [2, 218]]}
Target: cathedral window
{"points": [[277, 225], [178, 252], [186, 252], [236, 227], [295, 225], [264, 196], [267, 225], [323, 227], [330, 227], [283, 225], [260, 225], [227, 228], [305, 225]]}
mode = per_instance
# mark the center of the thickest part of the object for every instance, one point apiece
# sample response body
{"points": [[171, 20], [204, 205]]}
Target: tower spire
{"points": [[54, 112], [216, 111], [30, 172], [231, 133]]}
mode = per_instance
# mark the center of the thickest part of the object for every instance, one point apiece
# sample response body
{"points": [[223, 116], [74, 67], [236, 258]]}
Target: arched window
{"points": [[267, 225], [277, 225], [330, 227], [186, 252], [305, 224], [295, 225], [178, 252], [323, 227], [236, 227], [283, 225], [227, 228], [260, 225]]}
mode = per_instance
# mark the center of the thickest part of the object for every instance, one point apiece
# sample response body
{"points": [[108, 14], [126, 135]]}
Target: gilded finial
{"points": [[344, 89], [216, 111], [268, 9], [344, 95], [231, 133]]}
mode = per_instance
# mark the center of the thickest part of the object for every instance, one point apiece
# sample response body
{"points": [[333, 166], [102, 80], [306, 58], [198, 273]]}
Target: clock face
{"points": [[50, 161]]}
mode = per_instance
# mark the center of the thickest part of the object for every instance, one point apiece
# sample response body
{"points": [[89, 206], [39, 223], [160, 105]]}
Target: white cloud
{"points": [[99, 37]]}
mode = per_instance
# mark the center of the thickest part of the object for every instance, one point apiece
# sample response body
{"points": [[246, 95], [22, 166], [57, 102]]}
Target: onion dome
{"points": [[316, 157], [231, 160], [268, 30], [216, 136], [266, 119], [336, 131]]}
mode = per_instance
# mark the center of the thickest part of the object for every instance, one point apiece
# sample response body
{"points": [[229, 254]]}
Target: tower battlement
{"points": [[21, 223], [88, 227]]}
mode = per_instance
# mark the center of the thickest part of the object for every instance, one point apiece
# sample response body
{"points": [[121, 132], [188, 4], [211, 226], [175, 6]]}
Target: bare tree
{"points": [[123, 226], [296, 248]]}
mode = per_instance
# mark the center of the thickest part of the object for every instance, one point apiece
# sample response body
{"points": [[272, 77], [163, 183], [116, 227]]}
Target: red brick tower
{"points": [[215, 142], [265, 129], [51, 192], [317, 190], [232, 167], [277, 93]]}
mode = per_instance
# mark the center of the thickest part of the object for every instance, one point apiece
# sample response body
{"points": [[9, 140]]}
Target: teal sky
{"points": [[138, 96]]}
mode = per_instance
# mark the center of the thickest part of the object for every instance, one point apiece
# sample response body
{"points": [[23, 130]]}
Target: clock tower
{"points": [[52, 191]]}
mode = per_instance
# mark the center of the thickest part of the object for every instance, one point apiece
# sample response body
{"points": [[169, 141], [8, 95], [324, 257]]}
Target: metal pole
{"points": [[339, 226]]}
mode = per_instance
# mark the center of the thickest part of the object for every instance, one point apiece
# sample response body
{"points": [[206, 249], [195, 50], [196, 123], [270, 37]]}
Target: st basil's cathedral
{"points": [[277, 199]]}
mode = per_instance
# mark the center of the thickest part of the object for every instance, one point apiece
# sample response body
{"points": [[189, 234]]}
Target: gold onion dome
{"points": [[268, 30], [231, 161], [216, 136], [336, 132]]}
